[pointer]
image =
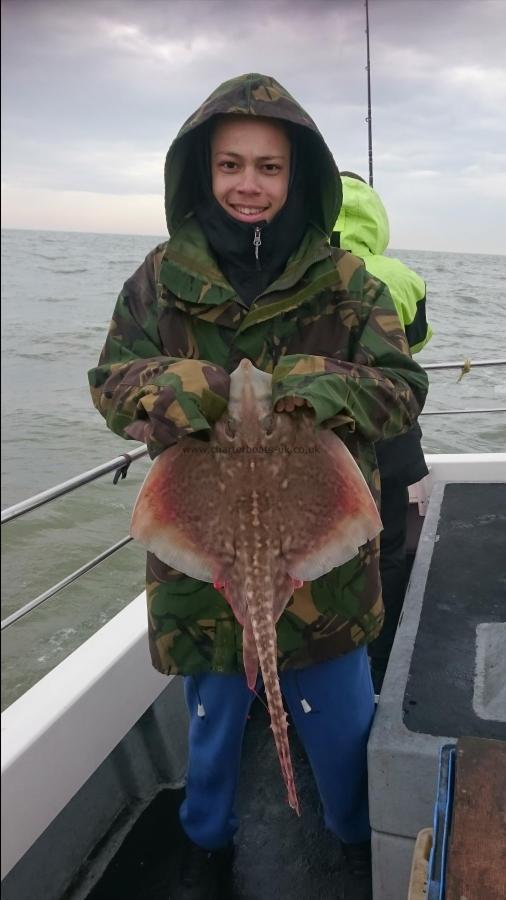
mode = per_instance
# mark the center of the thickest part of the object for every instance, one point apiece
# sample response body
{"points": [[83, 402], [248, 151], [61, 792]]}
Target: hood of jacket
{"points": [[363, 221], [253, 95]]}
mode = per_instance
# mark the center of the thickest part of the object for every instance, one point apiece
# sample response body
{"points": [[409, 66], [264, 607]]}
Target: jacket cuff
{"points": [[306, 377]]}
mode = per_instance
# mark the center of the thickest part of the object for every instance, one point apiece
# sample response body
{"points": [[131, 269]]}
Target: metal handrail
{"points": [[119, 462], [462, 412], [467, 364], [122, 463], [465, 368], [64, 583]]}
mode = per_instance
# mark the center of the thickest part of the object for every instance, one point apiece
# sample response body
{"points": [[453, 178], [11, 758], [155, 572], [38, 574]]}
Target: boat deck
{"points": [[476, 855], [452, 630], [458, 656], [278, 854]]}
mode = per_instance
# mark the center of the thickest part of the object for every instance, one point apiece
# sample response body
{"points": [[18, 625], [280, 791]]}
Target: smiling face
{"points": [[250, 167]]}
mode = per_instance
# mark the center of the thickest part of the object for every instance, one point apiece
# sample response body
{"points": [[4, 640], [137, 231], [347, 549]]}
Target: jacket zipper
{"points": [[257, 243]]}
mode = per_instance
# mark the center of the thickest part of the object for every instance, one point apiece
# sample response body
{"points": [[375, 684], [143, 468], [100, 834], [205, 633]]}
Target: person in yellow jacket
{"points": [[363, 229]]}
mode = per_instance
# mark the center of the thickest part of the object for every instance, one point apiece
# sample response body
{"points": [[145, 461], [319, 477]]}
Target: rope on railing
{"points": [[468, 364]]}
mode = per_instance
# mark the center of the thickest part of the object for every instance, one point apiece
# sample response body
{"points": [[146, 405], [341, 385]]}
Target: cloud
{"points": [[94, 92], [63, 210], [116, 166], [174, 53], [480, 84]]}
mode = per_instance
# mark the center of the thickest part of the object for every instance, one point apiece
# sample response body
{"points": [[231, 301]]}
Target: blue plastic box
{"points": [[442, 823]]}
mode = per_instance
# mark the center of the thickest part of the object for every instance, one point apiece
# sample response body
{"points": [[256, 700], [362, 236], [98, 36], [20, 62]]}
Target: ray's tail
{"points": [[264, 631]]}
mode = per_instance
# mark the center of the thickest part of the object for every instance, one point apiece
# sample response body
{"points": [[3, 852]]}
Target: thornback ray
{"points": [[270, 501]]}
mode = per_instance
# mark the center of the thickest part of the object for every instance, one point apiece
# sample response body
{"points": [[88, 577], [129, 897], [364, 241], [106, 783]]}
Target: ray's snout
{"points": [[250, 402]]}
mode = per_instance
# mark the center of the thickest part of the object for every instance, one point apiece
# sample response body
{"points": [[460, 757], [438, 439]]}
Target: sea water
{"points": [[58, 292]]}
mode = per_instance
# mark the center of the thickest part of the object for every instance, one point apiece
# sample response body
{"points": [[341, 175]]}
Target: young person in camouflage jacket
{"points": [[251, 197]]}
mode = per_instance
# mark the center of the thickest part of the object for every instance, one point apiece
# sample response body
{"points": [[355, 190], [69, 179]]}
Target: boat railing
{"points": [[120, 465]]}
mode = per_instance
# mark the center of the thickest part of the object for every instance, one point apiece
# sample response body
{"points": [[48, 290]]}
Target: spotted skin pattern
{"points": [[248, 513]]}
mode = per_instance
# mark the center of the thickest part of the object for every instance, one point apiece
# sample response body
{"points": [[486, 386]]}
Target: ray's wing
{"points": [[328, 509], [176, 514]]}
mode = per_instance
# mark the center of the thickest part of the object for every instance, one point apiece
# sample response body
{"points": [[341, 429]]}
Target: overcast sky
{"points": [[94, 91]]}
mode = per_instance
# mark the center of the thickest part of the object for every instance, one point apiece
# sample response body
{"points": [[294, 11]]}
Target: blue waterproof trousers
{"points": [[339, 698]]}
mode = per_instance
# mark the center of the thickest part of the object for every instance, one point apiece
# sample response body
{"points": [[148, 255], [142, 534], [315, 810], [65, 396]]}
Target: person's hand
{"points": [[290, 404]]}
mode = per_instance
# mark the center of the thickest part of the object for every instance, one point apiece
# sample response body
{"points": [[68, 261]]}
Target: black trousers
{"points": [[393, 568]]}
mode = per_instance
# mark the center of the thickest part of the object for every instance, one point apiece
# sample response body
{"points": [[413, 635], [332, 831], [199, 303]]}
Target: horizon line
{"points": [[167, 237]]}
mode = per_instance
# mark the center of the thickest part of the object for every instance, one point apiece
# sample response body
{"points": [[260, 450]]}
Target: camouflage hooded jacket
{"points": [[326, 330]]}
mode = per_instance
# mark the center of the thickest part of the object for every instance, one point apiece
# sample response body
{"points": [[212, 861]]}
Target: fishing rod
{"points": [[369, 113]]}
